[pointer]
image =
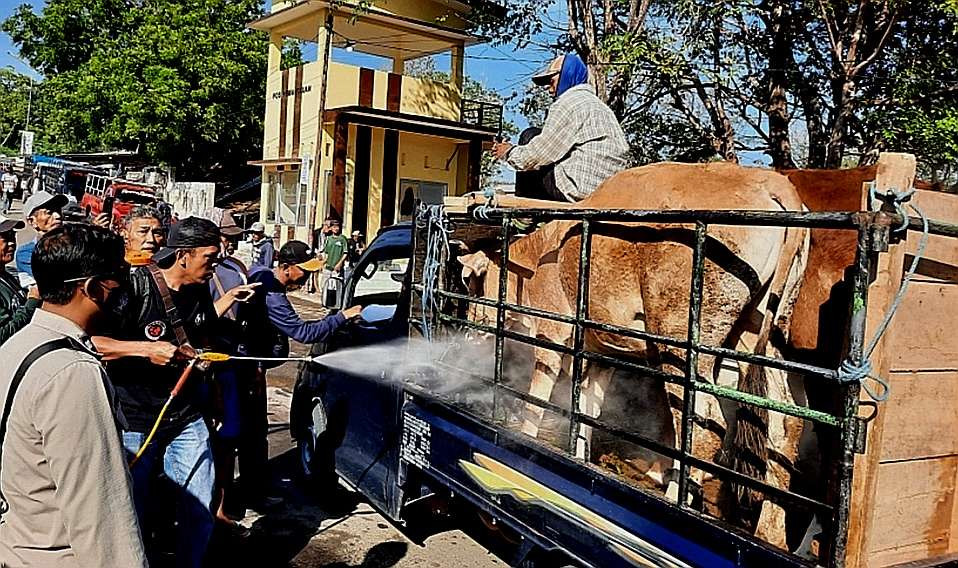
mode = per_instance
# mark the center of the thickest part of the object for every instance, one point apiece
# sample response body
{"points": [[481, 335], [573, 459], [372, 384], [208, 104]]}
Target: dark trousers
{"points": [[253, 445], [537, 184]]}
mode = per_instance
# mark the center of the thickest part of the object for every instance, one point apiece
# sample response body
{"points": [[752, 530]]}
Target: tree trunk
{"points": [[779, 141], [844, 103]]}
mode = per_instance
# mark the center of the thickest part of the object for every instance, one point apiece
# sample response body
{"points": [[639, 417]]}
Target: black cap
{"points": [[298, 253], [192, 232]]}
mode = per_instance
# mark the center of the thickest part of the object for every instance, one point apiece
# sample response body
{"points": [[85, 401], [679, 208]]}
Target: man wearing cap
{"points": [[580, 145], [170, 314], [357, 246], [16, 308], [228, 286], [272, 321], [263, 250], [42, 212]]}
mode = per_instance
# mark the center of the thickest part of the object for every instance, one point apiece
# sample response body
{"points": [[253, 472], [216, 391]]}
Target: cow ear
{"points": [[474, 264]]}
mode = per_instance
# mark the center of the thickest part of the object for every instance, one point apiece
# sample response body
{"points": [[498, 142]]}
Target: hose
{"points": [[159, 419]]}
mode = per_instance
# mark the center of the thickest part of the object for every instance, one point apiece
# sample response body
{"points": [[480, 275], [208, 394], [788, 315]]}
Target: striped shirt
{"points": [[582, 137]]}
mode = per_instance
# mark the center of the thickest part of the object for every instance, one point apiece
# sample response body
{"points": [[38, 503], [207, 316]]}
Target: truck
{"points": [[119, 196], [886, 488]]}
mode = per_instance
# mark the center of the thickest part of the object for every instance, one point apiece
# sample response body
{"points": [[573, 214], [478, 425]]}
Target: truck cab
{"points": [[338, 419]]}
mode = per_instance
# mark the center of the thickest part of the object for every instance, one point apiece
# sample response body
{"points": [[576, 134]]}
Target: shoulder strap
{"points": [[31, 358], [171, 312]]}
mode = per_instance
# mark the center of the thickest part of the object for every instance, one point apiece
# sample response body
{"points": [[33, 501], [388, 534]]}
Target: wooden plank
{"points": [[913, 507], [920, 422], [462, 203], [923, 330], [892, 171]]}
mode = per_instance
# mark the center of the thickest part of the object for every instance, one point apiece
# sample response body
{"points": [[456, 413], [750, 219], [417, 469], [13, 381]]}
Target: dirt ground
{"points": [[301, 534]]}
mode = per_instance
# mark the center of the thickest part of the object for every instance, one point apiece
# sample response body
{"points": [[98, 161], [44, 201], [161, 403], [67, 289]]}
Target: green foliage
{"points": [[14, 97], [183, 81]]}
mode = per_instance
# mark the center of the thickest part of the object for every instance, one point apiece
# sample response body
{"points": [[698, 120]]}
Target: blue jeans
{"points": [[187, 460]]}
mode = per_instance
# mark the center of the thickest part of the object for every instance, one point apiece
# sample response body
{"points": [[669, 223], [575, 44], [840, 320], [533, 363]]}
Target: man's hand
{"points": [[501, 149], [243, 293], [33, 293], [352, 312], [102, 220], [163, 353]]}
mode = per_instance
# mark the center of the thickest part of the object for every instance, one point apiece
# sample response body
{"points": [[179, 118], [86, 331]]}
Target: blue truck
{"points": [[397, 441]]}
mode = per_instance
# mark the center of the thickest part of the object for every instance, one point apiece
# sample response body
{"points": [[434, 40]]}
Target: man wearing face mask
{"points": [[16, 308], [170, 314], [580, 145], [65, 479], [271, 321]]}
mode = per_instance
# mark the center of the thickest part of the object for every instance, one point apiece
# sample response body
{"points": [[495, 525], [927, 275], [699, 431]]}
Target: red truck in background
{"points": [[115, 196]]}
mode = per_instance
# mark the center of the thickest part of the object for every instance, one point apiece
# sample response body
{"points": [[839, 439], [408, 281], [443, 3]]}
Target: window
{"points": [[429, 192], [385, 280], [286, 202]]}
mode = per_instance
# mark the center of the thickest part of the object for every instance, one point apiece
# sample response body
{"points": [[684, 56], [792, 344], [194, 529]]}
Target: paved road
{"points": [[299, 533]]}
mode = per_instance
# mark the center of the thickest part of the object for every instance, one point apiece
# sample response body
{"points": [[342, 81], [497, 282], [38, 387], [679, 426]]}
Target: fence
{"points": [[440, 307]]}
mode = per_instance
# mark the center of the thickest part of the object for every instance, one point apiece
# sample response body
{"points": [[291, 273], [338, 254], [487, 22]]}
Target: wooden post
{"points": [[894, 171]]}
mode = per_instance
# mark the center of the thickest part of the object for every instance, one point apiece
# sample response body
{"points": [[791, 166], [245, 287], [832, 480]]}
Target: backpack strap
{"points": [[171, 312], [28, 361]]}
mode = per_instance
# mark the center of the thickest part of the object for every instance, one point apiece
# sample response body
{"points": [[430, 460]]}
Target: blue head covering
{"points": [[574, 72]]}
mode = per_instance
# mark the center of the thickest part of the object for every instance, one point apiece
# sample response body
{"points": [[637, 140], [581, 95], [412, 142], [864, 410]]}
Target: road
{"points": [[301, 534]]}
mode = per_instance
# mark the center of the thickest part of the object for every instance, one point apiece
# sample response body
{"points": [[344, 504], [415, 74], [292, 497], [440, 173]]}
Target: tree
{"points": [[842, 78], [183, 81], [14, 98]]}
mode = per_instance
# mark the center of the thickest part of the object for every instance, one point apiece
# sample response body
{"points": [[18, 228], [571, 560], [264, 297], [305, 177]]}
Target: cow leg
{"points": [[548, 366], [591, 398]]}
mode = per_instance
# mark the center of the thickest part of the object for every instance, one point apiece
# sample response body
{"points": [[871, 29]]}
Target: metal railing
{"points": [[482, 114], [872, 236]]}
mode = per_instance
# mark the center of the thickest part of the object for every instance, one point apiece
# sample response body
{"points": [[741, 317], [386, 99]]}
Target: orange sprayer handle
{"points": [[182, 381]]}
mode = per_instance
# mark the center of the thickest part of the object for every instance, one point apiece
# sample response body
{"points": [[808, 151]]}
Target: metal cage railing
{"points": [[872, 237]]}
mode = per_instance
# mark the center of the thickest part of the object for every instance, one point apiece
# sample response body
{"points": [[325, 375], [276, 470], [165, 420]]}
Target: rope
{"points": [[482, 212], [432, 218], [849, 371]]}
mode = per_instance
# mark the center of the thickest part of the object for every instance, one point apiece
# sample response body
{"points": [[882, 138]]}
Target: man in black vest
{"points": [[171, 313]]}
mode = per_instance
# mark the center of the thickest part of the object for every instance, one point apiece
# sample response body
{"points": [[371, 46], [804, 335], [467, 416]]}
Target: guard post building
{"points": [[359, 144]]}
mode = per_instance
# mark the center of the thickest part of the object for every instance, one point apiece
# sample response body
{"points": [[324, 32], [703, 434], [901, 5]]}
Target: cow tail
{"points": [[748, 452]]}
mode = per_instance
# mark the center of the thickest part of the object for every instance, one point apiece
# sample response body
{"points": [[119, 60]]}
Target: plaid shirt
{"points": [[582, 137]]}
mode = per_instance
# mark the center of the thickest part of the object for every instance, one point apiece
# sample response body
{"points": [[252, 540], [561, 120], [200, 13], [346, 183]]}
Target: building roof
{"points": [[302, 21]]}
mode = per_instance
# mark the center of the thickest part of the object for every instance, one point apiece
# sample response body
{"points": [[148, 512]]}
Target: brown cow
{"points": [[640, 278]]}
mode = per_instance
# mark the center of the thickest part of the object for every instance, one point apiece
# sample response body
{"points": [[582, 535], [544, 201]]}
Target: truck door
{"points": [[354, 417]]}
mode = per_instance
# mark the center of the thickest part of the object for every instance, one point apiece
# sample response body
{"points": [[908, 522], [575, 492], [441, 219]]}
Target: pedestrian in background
{"points": [[263, 250], [16, 308], [42, 212], [233, 378], [9, 182], [334, 256], [65, 477], [357, 246]]}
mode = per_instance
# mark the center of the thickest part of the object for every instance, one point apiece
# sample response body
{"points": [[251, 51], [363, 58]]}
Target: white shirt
{"points": [[9, 182]]}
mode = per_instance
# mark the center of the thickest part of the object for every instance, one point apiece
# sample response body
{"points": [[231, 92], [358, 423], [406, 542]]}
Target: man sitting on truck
{"points": [[580, 145]]}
